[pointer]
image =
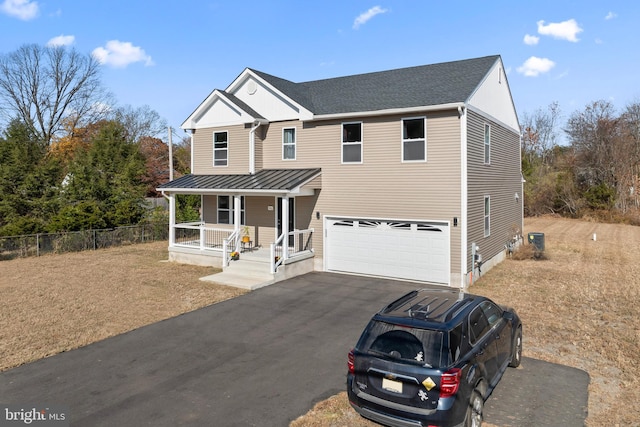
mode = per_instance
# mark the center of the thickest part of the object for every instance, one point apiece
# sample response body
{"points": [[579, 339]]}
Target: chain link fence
{"points": [[75, 241]]}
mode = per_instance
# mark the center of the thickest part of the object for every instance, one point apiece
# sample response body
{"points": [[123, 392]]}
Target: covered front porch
{"points": [[254, 224]]}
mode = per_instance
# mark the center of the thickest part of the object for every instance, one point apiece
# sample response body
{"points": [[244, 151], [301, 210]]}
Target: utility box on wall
{"points": [[537, 240]]}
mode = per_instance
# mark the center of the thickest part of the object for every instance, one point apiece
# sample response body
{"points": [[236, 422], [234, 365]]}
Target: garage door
{"points": [[401, 249]]}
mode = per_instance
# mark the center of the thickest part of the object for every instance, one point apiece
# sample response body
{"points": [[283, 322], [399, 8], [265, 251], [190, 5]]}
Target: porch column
{"points": [[285, 227], [172, 220], [237, 215]]}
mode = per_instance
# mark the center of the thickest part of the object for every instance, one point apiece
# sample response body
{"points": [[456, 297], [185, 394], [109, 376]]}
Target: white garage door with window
{"points": [[411, 250]]}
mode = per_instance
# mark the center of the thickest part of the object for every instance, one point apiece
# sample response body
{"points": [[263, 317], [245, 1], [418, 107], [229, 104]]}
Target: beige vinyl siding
{"points": [[238, 151], [382, 186], [501, 180]]}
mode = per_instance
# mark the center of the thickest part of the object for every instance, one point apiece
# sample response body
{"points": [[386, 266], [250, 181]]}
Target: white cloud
{"points": [[566, 30], [120, 54], [531, 40], [611, 15], [21, 9], [535, 66], [61, 40], [366, 16]]}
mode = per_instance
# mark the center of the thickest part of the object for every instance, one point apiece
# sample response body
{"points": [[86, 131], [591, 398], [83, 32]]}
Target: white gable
{"points": [[493, 97], [265, 99], [216, 110]]}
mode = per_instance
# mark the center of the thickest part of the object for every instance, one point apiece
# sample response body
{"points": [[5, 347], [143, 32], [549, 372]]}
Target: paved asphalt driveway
{"points": [[261, 359]]}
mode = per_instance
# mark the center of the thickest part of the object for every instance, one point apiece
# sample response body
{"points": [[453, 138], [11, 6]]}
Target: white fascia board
{"points": [[247, 73], [295, 192], [390, 111], [193, 121]]}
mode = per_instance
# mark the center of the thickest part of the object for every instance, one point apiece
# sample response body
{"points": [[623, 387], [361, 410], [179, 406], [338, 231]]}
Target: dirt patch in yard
{"points": [[580, 306], [56, 303]]}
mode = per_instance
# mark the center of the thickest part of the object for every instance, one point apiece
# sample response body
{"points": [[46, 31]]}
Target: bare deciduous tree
{"points": [[42, 86], [141, 122], [540, 133]]}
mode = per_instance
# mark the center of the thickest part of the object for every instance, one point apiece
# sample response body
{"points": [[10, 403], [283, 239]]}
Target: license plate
{"points": [[392, 386]]}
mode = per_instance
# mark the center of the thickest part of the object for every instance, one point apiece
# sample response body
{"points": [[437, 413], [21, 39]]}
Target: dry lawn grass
{"points": [[580, 307], [57, 303]]}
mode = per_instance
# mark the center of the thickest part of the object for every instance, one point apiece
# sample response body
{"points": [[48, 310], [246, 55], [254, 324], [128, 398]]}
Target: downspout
{"points": [[252, 144], [464, 194]]}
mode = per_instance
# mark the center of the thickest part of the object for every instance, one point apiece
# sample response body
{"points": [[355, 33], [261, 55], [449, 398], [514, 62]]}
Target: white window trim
{"points": [[424, 118], [486, 217], [342, 143], [243, 219], [219, 149], [486, 146], [295, 141]]}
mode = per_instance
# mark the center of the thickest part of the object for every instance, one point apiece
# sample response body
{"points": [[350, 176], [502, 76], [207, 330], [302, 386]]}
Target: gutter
{"points": [[409, 110]]}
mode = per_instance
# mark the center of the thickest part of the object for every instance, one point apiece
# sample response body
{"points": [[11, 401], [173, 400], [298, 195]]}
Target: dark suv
{"points": [[431, 358]]}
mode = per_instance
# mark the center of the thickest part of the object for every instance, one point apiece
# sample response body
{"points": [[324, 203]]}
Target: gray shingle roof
{"points": [[241, 104], [265, 180], [425, 85]]}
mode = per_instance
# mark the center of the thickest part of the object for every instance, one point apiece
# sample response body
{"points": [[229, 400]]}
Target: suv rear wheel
{"points": [[474, 411], [516, 356]]}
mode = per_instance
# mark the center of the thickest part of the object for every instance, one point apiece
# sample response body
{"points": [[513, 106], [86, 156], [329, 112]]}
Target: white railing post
{"points": [[202, 237], [272, 258], [285, 227], [172, 220], [237, 215]]}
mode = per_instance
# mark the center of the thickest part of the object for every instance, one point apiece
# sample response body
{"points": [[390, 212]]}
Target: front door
{"points": [[292, 217]]}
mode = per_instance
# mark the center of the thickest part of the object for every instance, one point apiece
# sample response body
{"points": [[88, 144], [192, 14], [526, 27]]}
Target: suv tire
{"points": [[474, 411], [516, 355]]}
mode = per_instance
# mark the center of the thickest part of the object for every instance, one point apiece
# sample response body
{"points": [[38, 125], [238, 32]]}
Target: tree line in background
{"points": [[71, 159], [595, 172]]}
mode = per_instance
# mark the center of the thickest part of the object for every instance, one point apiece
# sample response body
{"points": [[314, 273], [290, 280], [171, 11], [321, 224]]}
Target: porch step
{"points": [[245, 273]]}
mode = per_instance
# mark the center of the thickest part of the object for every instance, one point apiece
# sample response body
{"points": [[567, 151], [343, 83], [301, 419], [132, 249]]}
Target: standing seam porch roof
{"points": [[268, 180]]}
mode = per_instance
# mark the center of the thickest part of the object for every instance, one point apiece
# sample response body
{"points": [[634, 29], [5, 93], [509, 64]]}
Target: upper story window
{"points": [[225, 210], [487, 144], [487, 216], [352, 142], [220, 148], [289, 144], [414, 139]]}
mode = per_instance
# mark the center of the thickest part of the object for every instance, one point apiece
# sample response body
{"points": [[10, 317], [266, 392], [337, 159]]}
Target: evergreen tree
{"points": [[28, 180], [104, 187]]}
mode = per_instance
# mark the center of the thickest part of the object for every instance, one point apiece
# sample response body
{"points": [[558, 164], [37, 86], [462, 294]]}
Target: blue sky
{"points": [[171, 55]]}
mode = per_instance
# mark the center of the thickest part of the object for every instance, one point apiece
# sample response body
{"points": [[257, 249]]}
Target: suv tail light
{"points": [[450, 382], [350, 363]]}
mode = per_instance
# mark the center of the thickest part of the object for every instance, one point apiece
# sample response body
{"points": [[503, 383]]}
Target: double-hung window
{"points": [[414, 140], [352, 142], [487, 144], [487, 216], [220, 148], [225, 210], [289, 144]]}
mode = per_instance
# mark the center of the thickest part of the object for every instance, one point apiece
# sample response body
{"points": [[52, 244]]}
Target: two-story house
{"points": [[409, 173]]}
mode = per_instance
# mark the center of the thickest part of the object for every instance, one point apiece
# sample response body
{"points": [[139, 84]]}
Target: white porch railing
{"points": [[197, 235], [300, 242], [229, 245]]}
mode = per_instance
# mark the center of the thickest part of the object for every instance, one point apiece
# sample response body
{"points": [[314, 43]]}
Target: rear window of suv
{"points": [[413, 345]]}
